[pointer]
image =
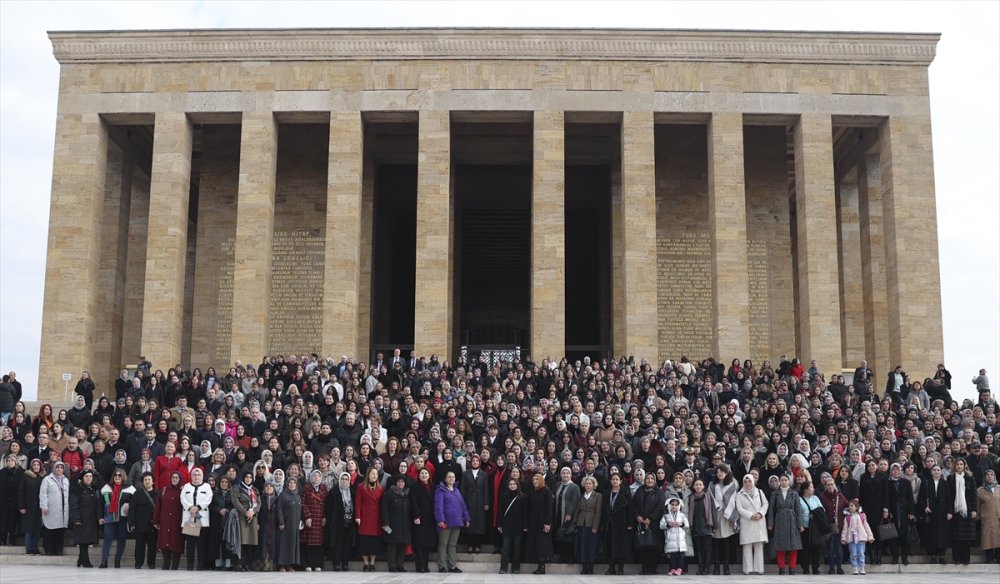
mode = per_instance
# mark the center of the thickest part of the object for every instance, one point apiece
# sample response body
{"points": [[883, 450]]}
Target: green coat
{"points": [[242, 504]]}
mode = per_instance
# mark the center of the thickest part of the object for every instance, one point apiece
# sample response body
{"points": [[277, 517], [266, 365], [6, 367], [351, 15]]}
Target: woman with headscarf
{"points": [[10, 482], [936, 505], [785, 521], [86, 510], [167, 519], [53, 500], [988, 497], [539, 526], [617, 521], [965, 511], [245, 499], [397, 516], [513, 519], [314, 496], [219, 555], [340, 522], [750, 506], [476, 492], [196, 497], [900, 512], [141, 467], [367, 515], [647, 509], [288, 515], [424, 530], [141, 519], [874, 497], [567, 499], [28, 505], [117, 497]]}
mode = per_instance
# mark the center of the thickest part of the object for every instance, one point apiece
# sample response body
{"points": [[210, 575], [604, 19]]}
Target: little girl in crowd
{"points": [[674, 525], [856, 534]]}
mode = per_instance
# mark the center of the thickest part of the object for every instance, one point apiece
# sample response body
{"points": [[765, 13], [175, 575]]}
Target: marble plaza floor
{"points": [[11, 573]]}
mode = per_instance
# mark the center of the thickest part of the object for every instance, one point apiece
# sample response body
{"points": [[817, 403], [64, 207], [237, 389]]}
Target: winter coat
{"points": [[513, 516], [900, 504], [313, 508], [784, 518], [86, 509], [964, 528], [167, 516], [588, 512], [368, 508], [940, 500], [141, 510], [746, 505], [538, 543], [567, 498], [243, 501], [675, 538], [874, 496], [27, 499], [617, 525], [288, 513], [989, 515], [449, 507], [55, 500], [10, 484], [720, 499], [422, 503], [856, 522], [397, 515], [476, 493], [649, 505], [201, 497], [341, 529]]}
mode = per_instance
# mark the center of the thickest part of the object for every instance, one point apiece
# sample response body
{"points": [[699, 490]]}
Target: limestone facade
{"points": [[742, 222]]}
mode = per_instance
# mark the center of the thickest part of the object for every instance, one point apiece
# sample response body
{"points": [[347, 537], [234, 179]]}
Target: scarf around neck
{"points": [[960, 506]]}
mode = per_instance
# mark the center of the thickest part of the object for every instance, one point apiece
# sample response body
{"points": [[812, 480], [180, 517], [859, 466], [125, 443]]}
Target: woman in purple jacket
{"points": [[451, 515]]}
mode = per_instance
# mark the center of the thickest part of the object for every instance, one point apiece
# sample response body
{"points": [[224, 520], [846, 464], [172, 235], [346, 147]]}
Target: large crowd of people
{"points": [[309, 463]]}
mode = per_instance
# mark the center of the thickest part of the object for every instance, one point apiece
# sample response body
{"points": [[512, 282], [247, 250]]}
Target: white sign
{"points": [[67, 376]]}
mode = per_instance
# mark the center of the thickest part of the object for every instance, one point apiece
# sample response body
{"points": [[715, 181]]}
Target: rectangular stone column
{"points": [[342, 285], [432, 319], [135, 267], [548, 237], [638, 216], [71, 284], [166, 256], [876, 304], [254, 236], [617, 265], [852, 313], [816, 241], [727, 217], [913, 274]]}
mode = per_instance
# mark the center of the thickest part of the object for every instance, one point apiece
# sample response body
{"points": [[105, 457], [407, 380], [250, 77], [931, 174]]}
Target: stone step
{"points": [[489, 563]]}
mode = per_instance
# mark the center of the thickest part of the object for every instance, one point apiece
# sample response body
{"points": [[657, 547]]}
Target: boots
{"points": [[166, 559], [612, 569], [175, 561], [540, 569]]}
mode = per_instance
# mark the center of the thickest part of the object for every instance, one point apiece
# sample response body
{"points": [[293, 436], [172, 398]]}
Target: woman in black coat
{"points": [[29, 507], [340, 524], [646, 510], [10, 483], [86, 514], [874, 495], [935, 508], [397, 519], [476, 492], [617, 521], [512, 521], [846, 484], [140, 521], [963, 517], [901, 512], [539, 525], [424, 530]]}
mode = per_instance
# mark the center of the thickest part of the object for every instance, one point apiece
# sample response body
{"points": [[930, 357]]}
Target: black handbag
{"points": [[644, 537], [913, 536], [566, 531], [887, 531]]}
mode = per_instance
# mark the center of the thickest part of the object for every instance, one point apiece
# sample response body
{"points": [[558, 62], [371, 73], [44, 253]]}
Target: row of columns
{"points": [[905, 191]]}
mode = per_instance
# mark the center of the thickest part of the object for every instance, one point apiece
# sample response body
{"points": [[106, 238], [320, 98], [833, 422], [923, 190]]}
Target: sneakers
{"points": [[856, 571], [862, 570]]}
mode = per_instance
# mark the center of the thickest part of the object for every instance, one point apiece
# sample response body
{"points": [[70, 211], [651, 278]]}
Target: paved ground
{"points": [[20, 573]]}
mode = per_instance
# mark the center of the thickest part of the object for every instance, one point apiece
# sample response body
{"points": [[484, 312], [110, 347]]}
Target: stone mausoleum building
{"points": [[219, 195]]}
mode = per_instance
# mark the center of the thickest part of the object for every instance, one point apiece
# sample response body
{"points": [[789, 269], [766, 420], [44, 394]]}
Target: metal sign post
{"points": [[66, 377]]}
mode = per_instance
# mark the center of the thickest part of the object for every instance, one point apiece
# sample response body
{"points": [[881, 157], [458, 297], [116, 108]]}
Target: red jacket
{"points": [[368, 508], [313, 507], [74, 460], [167, 515], [163, 467]]}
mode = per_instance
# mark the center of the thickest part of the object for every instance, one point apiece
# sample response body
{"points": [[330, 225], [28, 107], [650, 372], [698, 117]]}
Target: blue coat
{"points": [[449, 507]]}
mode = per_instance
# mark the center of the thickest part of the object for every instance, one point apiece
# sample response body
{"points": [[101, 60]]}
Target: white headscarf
{"points": [[960, 507]]}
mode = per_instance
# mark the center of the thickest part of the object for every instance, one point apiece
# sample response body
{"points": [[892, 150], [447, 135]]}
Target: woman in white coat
{"points": [[751, 506], [196, 496], [53, 499]]}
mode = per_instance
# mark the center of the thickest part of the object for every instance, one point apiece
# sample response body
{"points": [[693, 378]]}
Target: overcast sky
{"points": [[965, 102]]}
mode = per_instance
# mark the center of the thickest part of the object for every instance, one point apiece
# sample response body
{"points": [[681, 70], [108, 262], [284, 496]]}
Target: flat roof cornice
{"points": [[390, 44]]}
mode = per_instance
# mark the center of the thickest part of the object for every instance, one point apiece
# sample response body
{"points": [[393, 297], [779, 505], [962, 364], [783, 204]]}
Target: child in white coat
{"points": [[856, 534], [674, 525]]}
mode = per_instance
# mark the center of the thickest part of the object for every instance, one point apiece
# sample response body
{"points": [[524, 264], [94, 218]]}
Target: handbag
{"points": [[887, 531], [192, 528], [566, 531], [913, 536], [644, 537]]}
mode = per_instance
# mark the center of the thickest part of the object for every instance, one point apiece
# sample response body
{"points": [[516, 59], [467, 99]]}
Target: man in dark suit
{"points": [[397, 357], [414, 362]]}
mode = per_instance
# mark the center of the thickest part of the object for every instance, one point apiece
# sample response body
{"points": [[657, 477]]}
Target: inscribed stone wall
{"points": [[213, 280], [769, 251], [297, 264], [683, 244]]}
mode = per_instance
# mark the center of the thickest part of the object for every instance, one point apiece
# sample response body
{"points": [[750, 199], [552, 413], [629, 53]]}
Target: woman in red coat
{"points": [[368, 516], [167, 464], [314, 518], [167, 518]]}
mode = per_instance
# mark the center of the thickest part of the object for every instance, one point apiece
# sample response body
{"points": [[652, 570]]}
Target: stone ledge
{"points": [[153, 46]]}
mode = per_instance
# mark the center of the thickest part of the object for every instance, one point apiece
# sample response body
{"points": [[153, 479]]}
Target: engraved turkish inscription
{"points": [[760, 305], [684, 306], [296, 291], [224, 302]]}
